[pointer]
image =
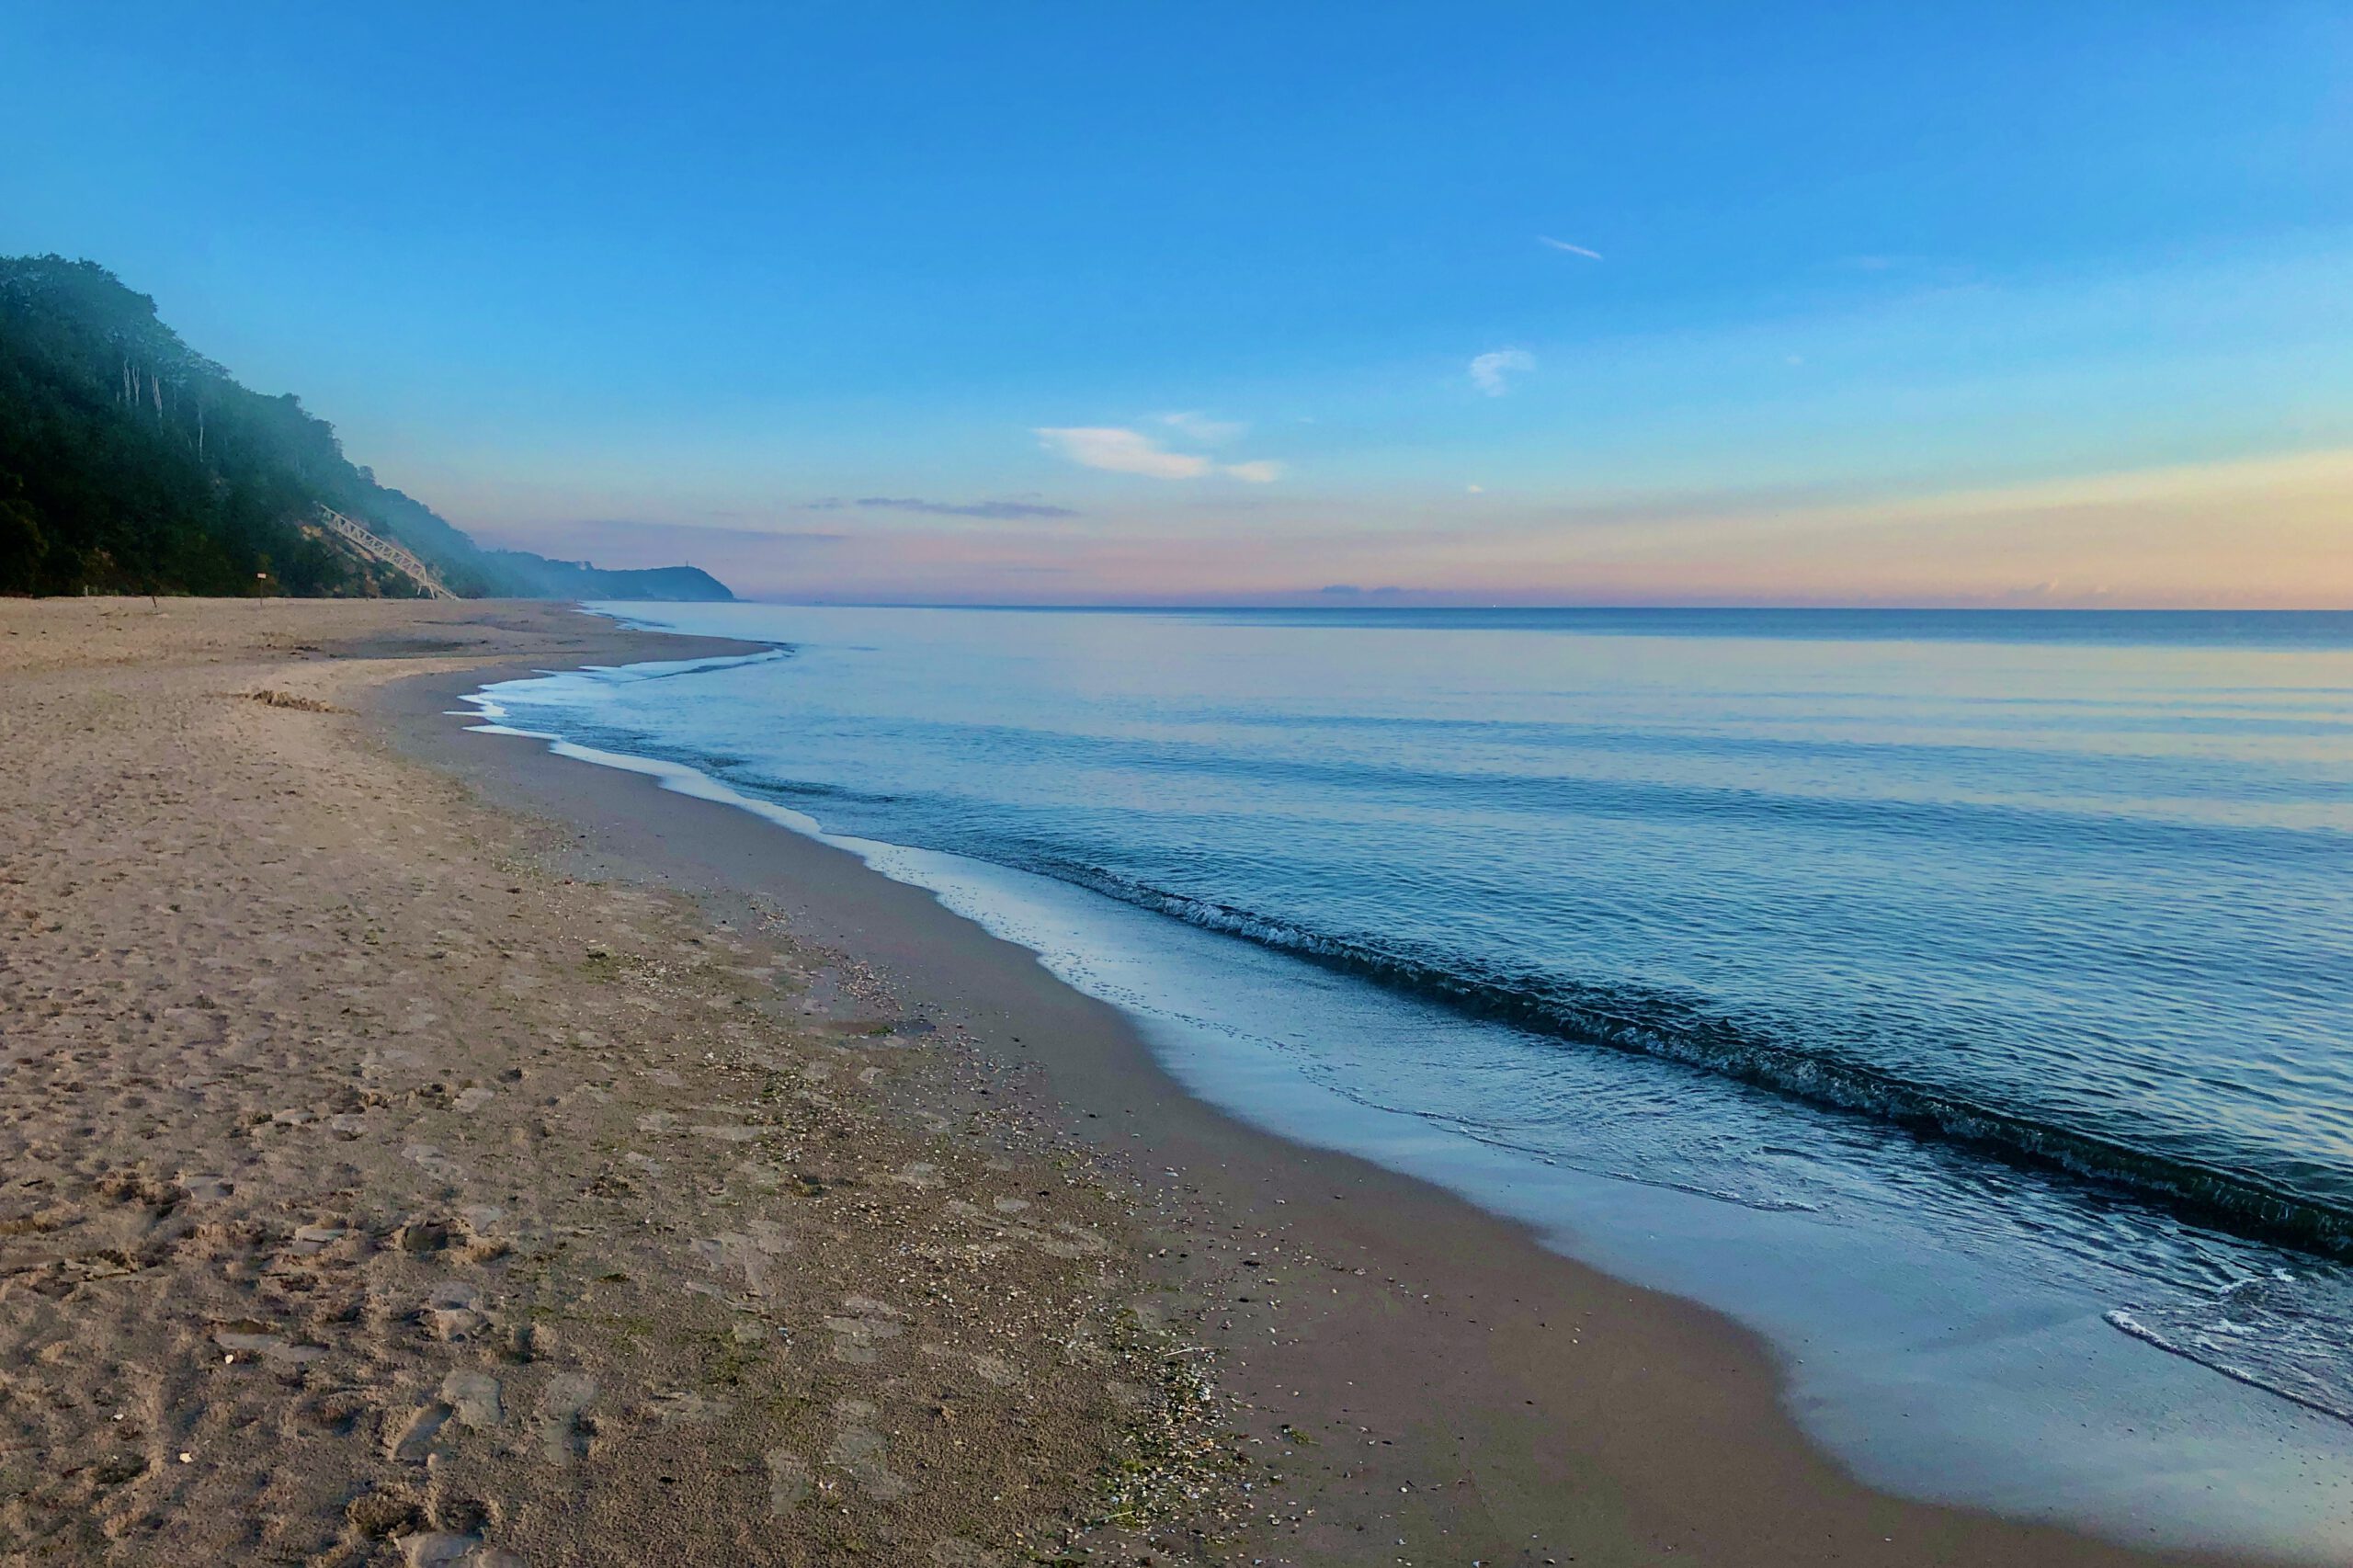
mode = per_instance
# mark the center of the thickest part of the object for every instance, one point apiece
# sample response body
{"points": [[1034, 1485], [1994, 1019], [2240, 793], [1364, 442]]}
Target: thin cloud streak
{"points": [[1565, 245], [1002, 511], [1117, 450], [1208, 432]]}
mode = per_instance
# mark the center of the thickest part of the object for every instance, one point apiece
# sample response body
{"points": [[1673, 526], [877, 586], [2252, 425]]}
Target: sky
{"points": [[1644, 303]]}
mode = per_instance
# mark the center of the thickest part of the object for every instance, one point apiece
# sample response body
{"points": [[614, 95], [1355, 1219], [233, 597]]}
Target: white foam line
{"points": [[889, 859], [2125, 1322]]}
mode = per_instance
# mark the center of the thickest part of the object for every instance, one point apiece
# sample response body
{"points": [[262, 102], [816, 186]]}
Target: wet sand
{"points": [[547, 1168]]}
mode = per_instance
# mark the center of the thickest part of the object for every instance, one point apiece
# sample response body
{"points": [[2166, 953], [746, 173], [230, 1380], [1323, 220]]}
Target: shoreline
{"points": [[421, 1148], [1604, 1469], [376, 1192]]}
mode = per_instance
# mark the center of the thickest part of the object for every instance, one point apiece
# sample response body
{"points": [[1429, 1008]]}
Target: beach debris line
{"points": [[271, 696]]}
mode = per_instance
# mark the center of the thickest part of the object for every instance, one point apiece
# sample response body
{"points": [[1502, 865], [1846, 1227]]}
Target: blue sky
{"points": [[1673, 302]]}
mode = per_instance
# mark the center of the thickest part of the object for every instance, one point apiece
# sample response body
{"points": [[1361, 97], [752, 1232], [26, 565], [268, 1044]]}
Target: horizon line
{"points": [[1381, 602]]}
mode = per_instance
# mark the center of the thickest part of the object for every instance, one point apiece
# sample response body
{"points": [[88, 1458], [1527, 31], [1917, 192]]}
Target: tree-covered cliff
{"points": [[129, 462]]}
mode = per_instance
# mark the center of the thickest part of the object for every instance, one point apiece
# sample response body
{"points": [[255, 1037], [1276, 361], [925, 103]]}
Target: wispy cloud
{"points": [[1565, 245], [1202, 428], [1117, 450], [1489, 371], [1009, 511], [1121, 450], [637, 542]]}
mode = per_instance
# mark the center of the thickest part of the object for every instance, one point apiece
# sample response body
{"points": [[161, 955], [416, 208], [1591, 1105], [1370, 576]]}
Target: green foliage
{"points": [[129, 462], [22, 544]]}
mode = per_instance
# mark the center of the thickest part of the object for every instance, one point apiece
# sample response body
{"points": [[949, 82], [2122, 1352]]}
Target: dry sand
{"points": [[535, 1167]]}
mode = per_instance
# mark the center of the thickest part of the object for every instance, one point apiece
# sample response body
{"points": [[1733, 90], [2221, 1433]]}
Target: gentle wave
{"points": [[1914, 819], [1683, 1029], [671, 669], [1678, 1031]]}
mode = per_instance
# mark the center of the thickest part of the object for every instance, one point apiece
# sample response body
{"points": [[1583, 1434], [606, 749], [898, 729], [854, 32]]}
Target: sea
{"points": [[1962, 1000]]}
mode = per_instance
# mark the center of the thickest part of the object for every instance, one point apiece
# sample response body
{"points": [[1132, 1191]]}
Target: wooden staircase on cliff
{"points": [[376, 547]]}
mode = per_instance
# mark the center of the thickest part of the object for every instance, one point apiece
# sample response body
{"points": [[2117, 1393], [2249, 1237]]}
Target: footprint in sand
{"points": [[748, 1253], [415, 1439], [955, 1551], [859, 1449], [789, 1480], [483, 1220], [866, 1323], [434, 1163], [453, 1311], [441, 1549], [730, 1134], [335, 1413], [205, 1189], [311, 1240], [269, 1347], [421, 1233], [564, 1426], [473, 1397], [1069, 1241], [681, 1408]]}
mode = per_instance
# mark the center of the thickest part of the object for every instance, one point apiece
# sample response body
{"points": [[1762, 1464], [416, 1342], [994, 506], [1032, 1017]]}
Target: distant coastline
{"points": [[2224, 624]]}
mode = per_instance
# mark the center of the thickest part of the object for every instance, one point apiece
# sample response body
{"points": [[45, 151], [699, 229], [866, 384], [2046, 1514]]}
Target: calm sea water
{"points": [[2017, 943]]}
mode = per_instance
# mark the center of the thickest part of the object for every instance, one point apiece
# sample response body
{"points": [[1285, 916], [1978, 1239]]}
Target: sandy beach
{"points": [[417, 1148]]}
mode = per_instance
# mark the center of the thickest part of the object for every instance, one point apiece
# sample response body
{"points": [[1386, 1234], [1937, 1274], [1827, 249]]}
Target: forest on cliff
{"points": [[131, 463]]}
